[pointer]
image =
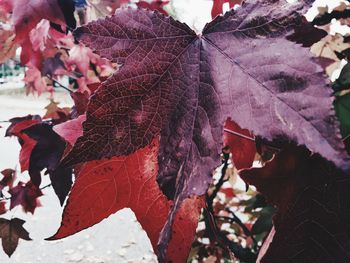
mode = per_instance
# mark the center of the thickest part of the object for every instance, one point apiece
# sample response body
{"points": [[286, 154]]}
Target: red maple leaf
{"points": [[108, 186], [28, 144], [25, 195], [217, 8], [241, 143], [27, 14]]}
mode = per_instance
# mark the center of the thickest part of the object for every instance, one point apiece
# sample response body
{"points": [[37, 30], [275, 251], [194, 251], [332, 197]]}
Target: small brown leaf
{"points": [[10, 232]]}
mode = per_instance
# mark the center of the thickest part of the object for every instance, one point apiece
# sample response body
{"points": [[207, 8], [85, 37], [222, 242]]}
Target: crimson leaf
{"points": [[27, 14], [130, 181], [183, 87]]}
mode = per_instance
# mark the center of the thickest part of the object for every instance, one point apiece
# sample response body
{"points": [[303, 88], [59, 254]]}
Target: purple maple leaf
{"points": [[183, 87]]}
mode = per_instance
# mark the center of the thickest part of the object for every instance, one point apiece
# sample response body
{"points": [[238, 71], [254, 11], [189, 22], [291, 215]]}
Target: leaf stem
{"points": [[222, 180], [239, 134], [59, 84], [8, 198]]}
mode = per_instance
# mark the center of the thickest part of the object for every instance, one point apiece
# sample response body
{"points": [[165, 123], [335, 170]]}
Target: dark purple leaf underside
{"points": [[47, 153], [184, 87]]}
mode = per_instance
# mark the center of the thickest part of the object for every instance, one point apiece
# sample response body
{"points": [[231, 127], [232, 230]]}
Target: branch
{"points": [[245, 229], [222, 180], [8, 198], [59, 84], [241, 253]]}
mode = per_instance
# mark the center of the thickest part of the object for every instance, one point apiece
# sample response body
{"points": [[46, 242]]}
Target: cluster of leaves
{"points": [[149, 136]]}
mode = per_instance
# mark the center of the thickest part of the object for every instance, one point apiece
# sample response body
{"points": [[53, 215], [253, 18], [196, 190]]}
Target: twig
{"points": [[8, 198], [222, 180], [239, 222], [239, 252], [46, 186], [59, 84]]}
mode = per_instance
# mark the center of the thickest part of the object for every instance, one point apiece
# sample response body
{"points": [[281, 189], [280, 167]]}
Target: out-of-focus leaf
{"points": [[7, 45], [217, 8], [16, 129], [27, 14], [25, 195], [46, 154], [9, 175], [312, 199], [154, 5], [343, 81], [264, 221], [10, 232], [342, 107], [306, 34]]}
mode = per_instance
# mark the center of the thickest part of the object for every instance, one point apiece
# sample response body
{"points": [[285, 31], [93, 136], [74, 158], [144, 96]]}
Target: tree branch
{"points": [[59, 84], [222, 180], [241, 253]]}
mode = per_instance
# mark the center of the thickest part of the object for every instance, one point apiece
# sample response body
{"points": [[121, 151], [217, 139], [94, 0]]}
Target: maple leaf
{"points": [[34, 80], [27, 14], [342, 108], [327, 49], [57, 114], [81, 57], [131, 182], [217, 8], [53, 66], [7, 46], [183, 87], [154, 5], [10, 232], [312, 219], [46, 154], [25, 195], [33, 58], [27, 144], [306, 34], [39, 35], [3, 209], [70, 130], [241, 143], [280, 96], [107, 7], [343, 81], [9, 176]]}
